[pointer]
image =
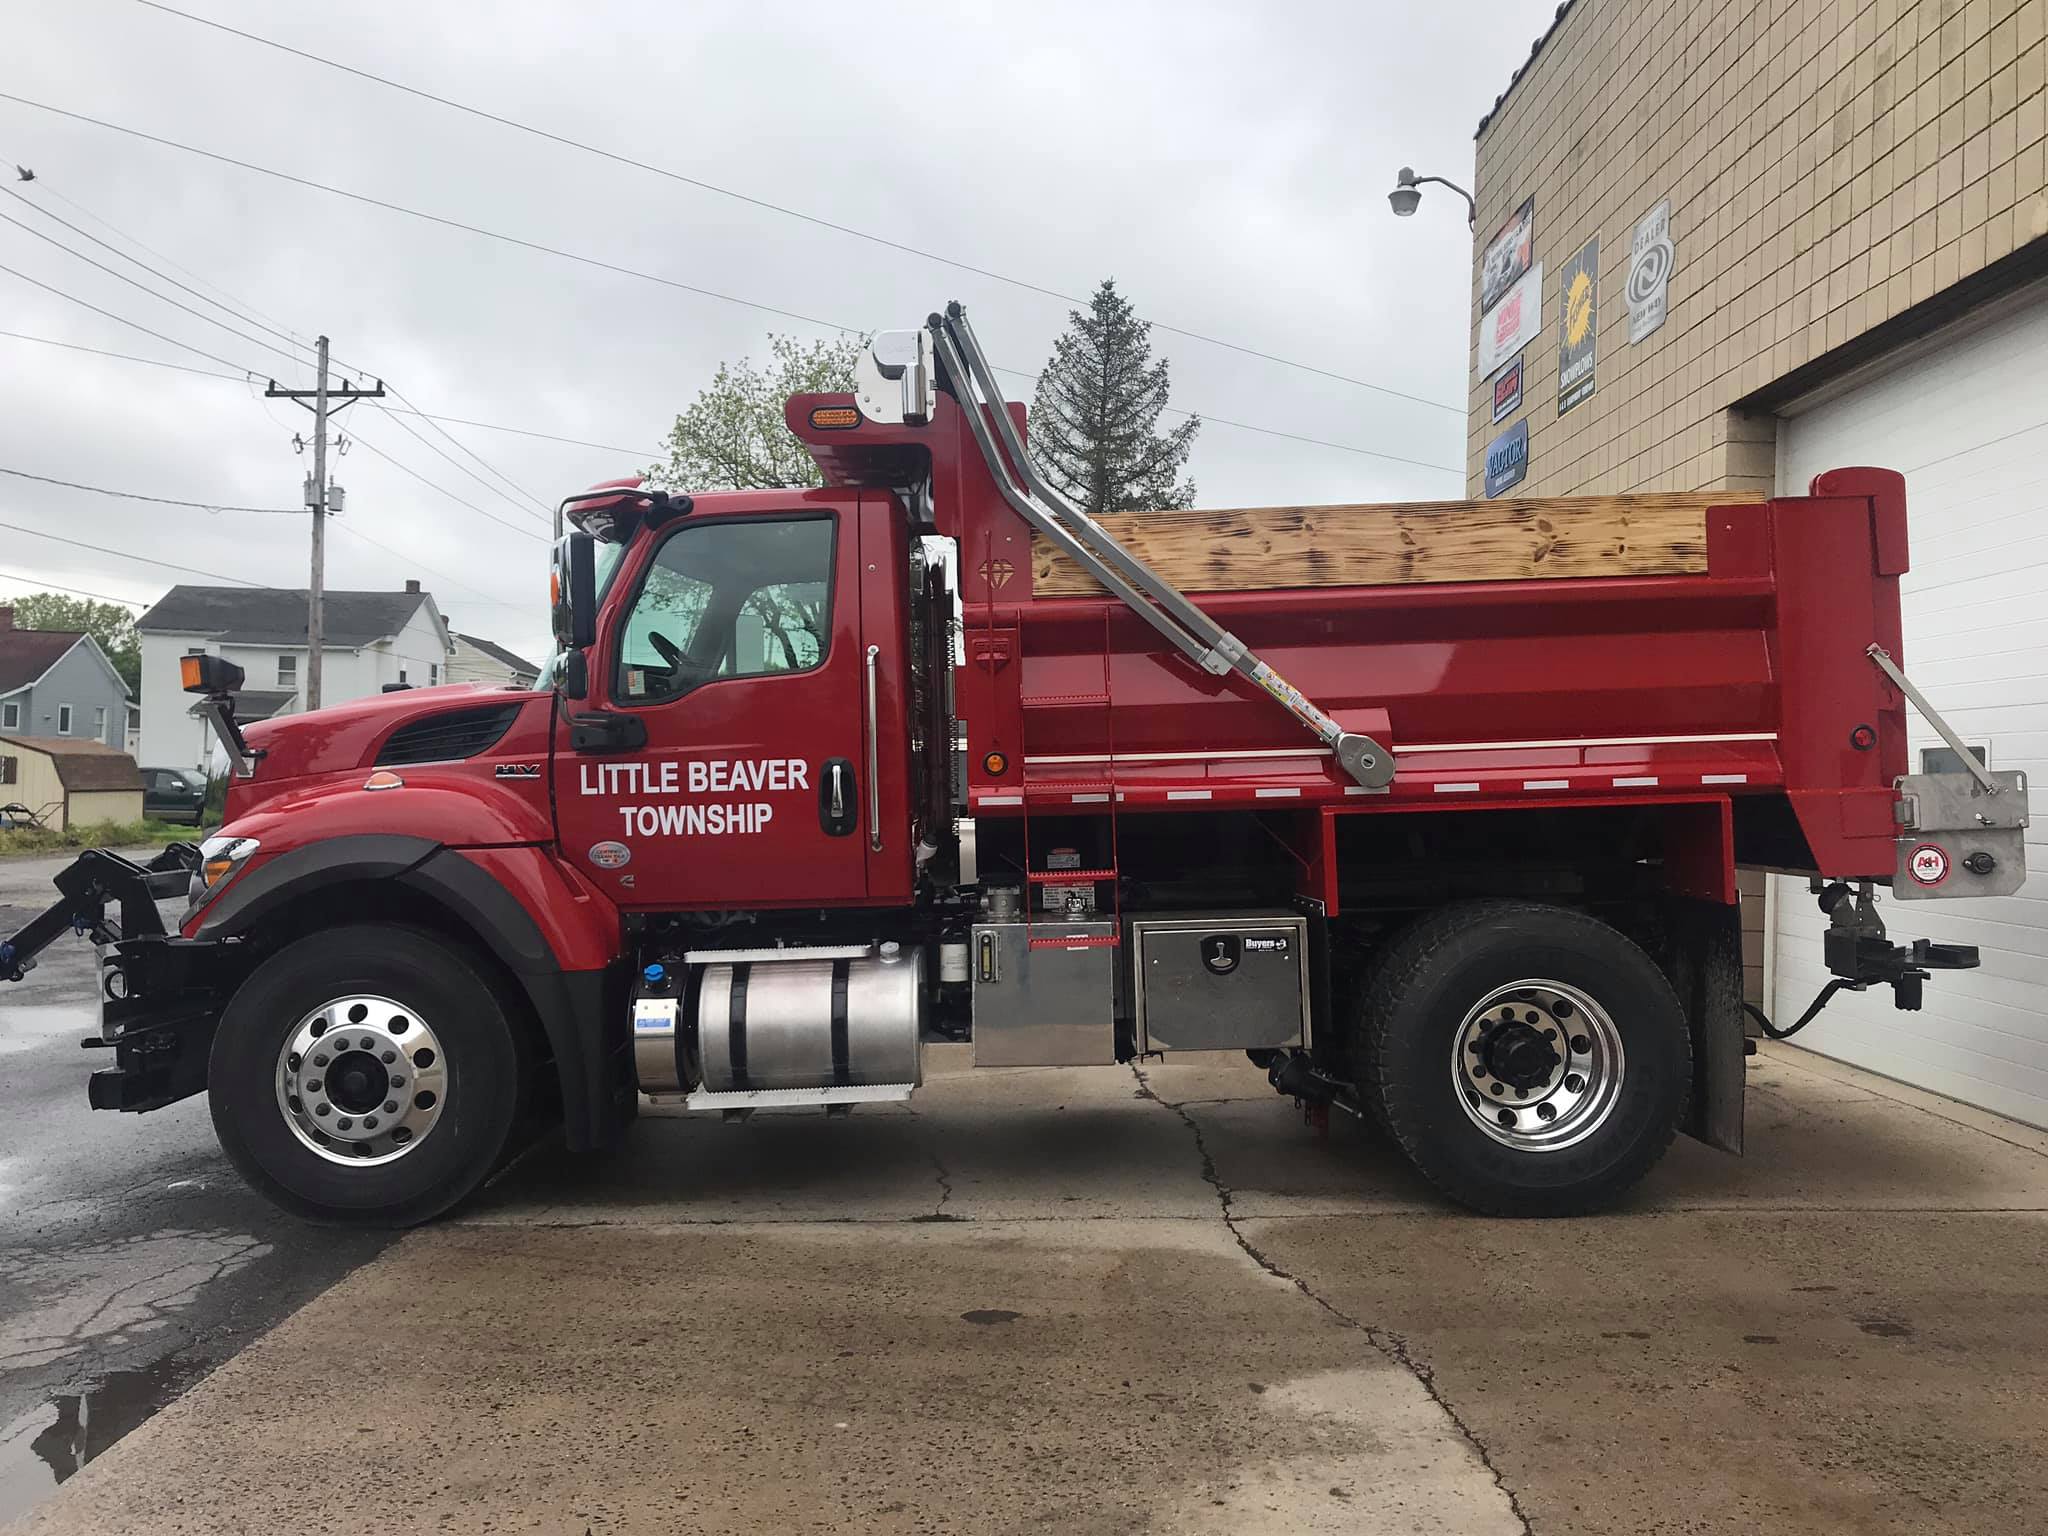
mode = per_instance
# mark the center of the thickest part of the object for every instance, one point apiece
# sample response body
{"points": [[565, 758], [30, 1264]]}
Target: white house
{"points": [[485, 661], [371, 641]]}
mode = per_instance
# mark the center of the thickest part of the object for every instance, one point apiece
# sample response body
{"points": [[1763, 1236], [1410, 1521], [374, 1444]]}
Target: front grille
{"points": [[445, 738]]}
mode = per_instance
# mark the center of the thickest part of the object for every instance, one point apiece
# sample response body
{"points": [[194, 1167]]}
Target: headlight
{"points": [[219, 860]]}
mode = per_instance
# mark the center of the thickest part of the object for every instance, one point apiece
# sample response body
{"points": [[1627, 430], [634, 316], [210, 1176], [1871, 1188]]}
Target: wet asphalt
{"points": [[132, 1259]]}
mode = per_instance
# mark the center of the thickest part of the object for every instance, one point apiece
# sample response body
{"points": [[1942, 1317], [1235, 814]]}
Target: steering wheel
{"points": [[680, 667], [671, 654]]}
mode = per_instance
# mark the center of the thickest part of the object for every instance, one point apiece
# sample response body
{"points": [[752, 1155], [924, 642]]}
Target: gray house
{"points": [[58, 682]]}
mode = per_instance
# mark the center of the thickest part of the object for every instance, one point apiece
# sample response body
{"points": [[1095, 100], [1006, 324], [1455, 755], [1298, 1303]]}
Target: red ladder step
{"points": [[1078, 941], [1068, 876], [1062, 700]]}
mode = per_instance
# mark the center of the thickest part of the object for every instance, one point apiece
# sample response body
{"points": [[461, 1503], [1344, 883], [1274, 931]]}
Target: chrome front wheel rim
{"points": [[1538, 1065], [362, 1080]]}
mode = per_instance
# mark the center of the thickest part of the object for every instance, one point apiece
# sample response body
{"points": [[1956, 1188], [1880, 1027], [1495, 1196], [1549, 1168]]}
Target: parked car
{"points": [[174, 794]]}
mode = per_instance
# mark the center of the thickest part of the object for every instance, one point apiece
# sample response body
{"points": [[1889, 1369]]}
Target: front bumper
{"points": [[159, 995]]}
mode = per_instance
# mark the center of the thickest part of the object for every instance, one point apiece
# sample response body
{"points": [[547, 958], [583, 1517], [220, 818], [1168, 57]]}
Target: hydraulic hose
{"points": [[1813, 1009]]}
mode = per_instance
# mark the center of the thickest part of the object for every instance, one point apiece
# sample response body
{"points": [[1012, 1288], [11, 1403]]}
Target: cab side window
{"points": [[737, 599]]}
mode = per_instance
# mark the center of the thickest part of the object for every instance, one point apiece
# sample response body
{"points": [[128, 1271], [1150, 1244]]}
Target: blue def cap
{"points": [[655, 972]]}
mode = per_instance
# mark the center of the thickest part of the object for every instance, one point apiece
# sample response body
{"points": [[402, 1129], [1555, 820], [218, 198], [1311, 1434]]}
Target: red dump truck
{"points": [[1434, 812]]}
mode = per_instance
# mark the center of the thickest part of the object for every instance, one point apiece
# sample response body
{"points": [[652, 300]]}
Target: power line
{"points": [[122, 554], [43, 187], [598, 262], [249, 376], [362, 442], [284, 335], [431, 218], [779, 208], [413, 432], [254, 341], [126, 357], [211, 357], [546, 512], [51, 586], [162, 277], [165, 501], [546, 437], [495, 602], [243, 378]]}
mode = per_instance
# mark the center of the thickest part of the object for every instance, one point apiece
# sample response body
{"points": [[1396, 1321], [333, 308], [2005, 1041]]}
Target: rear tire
{"points": [[1528, 1059], [384, 992]]}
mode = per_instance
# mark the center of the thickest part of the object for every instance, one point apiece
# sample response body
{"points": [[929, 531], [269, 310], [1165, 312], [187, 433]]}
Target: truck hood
{"points": [[349, 736]]}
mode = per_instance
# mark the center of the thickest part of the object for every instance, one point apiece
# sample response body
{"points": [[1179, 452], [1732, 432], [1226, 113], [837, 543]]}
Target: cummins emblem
{"points": [[610, 855]]}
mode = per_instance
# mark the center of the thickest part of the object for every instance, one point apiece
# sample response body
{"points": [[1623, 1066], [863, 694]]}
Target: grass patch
{"points": [[27, 842]]}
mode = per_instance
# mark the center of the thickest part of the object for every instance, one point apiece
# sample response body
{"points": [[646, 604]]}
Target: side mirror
{"points": [[576, 674], [573, 591]]}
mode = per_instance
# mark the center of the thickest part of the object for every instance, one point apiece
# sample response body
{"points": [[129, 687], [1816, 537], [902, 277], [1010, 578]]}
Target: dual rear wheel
{"points": [[1528, 1059]]}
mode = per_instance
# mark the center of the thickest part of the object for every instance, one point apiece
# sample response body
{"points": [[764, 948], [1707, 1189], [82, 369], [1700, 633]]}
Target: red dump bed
{"points": [[1746, 682]]}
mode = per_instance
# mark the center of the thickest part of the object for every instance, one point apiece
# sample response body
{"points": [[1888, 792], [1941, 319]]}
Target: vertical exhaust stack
{"points": [[896, 382]]}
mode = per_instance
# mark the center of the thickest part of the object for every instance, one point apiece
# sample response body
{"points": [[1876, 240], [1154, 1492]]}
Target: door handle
{"points": [[836, 810], [874, 755]]}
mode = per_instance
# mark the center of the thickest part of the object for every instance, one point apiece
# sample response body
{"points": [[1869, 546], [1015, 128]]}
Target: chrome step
{"points": [[793, 1098]]}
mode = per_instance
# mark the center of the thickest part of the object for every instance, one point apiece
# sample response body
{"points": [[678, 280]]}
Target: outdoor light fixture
{"points": [[1406, 194]]}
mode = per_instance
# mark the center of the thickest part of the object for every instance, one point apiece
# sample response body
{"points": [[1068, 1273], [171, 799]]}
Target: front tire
{"points": [[1529, 1059], [367, 1075]]}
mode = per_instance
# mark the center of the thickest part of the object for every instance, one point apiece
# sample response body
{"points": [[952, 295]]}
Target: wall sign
{"points": [[1650, 260], [1507, 392], [1508, 255], [1507, 458], [1578, 304], [1512, 323]]}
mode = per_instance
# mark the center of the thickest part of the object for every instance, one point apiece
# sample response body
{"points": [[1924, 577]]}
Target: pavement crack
{"points": [[945, 1186], [1391, 1345]]}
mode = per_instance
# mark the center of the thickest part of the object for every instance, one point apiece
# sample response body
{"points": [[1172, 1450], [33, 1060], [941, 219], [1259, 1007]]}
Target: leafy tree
{"points": [[109, 623], [733, 437], [1095, 419]]}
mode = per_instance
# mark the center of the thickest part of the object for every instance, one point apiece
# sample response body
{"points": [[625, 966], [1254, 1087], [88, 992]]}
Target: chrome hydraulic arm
{"points": [[1088, 544]]}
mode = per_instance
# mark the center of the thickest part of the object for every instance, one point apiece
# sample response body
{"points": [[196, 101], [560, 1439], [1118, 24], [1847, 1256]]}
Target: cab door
{"points": [[740, 650]]}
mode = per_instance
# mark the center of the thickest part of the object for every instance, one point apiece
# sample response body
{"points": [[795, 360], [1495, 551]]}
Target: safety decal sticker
{"points": [[1928, 864], [610, 855]]}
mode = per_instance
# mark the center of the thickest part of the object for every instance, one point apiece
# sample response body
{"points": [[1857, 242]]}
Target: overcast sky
{"points": [[1227, 163]]}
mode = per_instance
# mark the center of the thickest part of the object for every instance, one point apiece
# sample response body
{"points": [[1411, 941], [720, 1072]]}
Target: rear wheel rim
{"points": [[1538, 1065], [362, 1080]]}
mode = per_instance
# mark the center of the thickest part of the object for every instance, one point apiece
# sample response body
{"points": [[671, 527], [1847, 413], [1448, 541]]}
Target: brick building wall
{"points": [[1830, 164]]}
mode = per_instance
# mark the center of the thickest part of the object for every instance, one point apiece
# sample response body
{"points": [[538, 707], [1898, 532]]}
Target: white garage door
{"points": [[1968, 424]]}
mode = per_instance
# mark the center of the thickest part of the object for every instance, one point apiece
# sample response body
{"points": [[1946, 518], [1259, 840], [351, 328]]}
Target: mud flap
{"points": [[1704, 963]]}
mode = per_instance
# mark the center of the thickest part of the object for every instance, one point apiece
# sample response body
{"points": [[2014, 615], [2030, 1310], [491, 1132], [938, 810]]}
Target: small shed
{"points": [[68, 783]]}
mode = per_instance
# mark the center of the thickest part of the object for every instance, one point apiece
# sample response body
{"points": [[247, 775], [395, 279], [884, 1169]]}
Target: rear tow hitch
{"points": [[1860, 956]]}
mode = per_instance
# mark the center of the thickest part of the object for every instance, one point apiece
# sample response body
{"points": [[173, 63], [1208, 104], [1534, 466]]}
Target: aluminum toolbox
{"points": [[1217, 981], [1044, 1007]]}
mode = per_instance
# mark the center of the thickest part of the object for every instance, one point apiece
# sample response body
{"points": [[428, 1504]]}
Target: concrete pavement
{"points": [[1106, 1301]]}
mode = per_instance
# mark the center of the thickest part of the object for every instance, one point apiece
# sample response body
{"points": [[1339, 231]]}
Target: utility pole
{"points": [[324, 403]]}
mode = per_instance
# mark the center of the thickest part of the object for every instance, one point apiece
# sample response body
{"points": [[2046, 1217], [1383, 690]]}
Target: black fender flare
{"points": [[570, 1005]]}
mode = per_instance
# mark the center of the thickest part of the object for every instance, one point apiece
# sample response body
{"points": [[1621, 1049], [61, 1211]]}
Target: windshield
{"points": [[607, 567]]}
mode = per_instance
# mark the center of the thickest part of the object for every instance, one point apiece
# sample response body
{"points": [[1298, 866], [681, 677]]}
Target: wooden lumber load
{"points": [[1654, 534]]}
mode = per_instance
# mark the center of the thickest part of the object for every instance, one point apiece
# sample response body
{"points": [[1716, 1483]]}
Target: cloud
{"points": [[1227, 164]]}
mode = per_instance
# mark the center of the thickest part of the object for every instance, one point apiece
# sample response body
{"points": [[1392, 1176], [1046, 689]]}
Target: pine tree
{"points": [[1095, 419]]}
